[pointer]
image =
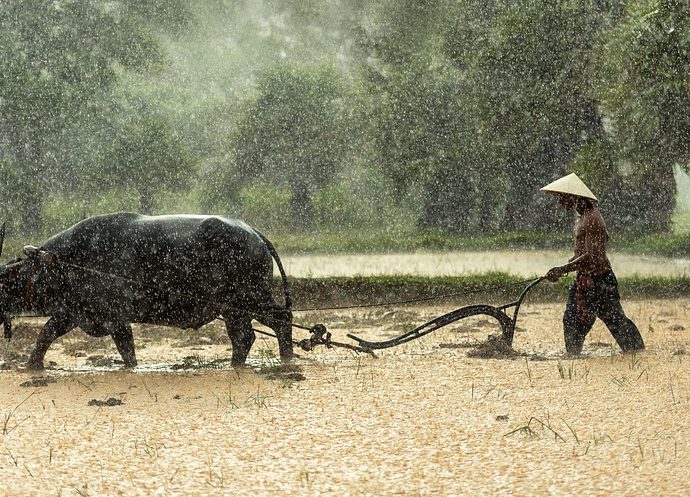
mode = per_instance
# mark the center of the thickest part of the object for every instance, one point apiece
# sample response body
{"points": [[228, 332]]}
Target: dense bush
{"points": [[490, 288]]}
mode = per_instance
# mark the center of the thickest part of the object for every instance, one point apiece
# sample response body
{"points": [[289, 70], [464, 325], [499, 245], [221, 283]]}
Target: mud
{"points": [[494, 347], [421, 419], [110, 401]]}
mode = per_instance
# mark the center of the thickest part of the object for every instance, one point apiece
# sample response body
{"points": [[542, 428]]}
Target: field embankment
{"points": [[465, 277]]}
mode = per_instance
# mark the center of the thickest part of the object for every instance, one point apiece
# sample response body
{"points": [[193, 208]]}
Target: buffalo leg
{"points": [[280, 321], [241, 336], [53, 329], [124, 341]]}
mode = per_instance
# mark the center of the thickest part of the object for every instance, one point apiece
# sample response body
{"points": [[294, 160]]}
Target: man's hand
{"points": [[554, 273]]}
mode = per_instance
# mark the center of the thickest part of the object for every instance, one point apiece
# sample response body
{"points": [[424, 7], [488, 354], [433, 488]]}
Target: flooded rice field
{"points": [[420, 419], [520, 263]]}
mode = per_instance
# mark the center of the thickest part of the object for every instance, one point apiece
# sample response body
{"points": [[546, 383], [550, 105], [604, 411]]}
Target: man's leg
{"points": [[610, 311], [574, 330]]}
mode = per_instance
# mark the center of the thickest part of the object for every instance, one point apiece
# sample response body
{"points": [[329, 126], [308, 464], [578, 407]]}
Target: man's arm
{"points": [[592, 240], [574, 265]]}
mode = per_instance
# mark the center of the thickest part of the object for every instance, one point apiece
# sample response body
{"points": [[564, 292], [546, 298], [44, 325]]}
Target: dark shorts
{"points": [[603, 302]]}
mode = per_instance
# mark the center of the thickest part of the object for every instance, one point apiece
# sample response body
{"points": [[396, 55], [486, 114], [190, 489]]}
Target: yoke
{"points": [[499, 313]]}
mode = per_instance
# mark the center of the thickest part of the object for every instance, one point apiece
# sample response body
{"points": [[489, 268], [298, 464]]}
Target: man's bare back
{"points": [[591, 238]]}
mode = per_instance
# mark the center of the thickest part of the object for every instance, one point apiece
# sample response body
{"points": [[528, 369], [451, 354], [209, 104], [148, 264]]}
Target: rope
{"points": [[319, 334], [420, 299], [308, 344], [305, 309], [178, 293]]}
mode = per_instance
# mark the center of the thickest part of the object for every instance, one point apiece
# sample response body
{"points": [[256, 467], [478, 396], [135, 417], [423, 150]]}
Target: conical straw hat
{"points": [[571, 185]]}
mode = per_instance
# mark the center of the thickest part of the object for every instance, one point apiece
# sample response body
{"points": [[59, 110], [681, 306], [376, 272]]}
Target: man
{"points": [[594, 293]]}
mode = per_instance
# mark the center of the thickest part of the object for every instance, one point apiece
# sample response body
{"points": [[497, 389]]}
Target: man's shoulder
{"points": [[592, 219]]}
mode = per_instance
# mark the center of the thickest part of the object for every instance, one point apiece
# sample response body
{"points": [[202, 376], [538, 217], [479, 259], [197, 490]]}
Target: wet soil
{"points": [[420, 419]]}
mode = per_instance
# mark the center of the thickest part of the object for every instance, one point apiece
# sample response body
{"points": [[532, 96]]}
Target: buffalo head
{"points": [[18, 282]]}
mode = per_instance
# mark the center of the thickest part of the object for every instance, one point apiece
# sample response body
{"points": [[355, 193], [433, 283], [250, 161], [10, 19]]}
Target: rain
{"points": [[188, 181]]}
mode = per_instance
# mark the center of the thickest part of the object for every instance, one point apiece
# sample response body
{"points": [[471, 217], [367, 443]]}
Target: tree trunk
{"points": [[31, 190], [448, 199], [516, 216], [302, 209], [31, 214], [657, 197], [146, 201], [487, 209]]}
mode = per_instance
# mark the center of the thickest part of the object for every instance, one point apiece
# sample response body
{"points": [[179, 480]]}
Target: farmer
{"points": [[594, 293]]}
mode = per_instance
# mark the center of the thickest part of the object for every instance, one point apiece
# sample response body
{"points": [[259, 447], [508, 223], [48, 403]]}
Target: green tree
{"points": [[418, 125], [149, 157], [527, 66], [292, 133], [58, 61], [645, 91], [428, 143]]}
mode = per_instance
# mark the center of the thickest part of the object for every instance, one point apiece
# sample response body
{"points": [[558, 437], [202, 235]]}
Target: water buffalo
{"points": [[108, 271]]}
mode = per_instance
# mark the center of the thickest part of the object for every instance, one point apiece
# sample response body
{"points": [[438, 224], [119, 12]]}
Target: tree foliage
{"points": [[291, 133], [148, 156], [645, 92], [451, 112], [528, 66], [58, 62]]}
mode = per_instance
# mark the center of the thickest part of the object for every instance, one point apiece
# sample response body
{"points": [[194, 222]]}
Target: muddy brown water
{"points": [[521, 263], [420, 419]]}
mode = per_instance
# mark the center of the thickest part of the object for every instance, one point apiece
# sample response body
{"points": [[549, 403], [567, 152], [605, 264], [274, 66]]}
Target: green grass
{"points": [[363, 242], [370, 241], [382, 240], [676, 245], [367, 241], [491, 288], [361, 290], [681, 222]]}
